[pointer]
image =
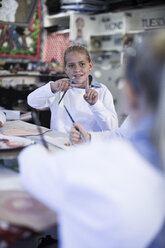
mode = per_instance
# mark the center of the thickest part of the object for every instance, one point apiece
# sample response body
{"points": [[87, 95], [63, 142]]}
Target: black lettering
{"points": [[144, 23], [105, 19], [161, 21], [120, 26], [114, 25], [153, 22]]}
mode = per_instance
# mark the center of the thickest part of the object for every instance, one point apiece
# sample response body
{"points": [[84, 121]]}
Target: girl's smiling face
{"points": [[78, 67]]}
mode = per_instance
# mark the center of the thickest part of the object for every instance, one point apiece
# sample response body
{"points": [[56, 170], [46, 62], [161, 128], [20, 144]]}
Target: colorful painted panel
{"points": [[21, 42]]}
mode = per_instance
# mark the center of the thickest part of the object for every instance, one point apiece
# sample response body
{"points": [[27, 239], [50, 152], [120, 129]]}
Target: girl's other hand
{"points": [[91, 96], [75, 134]]}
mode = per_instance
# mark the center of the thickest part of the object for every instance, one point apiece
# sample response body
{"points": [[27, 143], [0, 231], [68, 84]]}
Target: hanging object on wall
{"points": [[53, 49], [95, 43], [80, 28], [107, 60], [17, 42], [17, 12], [105, 43], [8, 10]]}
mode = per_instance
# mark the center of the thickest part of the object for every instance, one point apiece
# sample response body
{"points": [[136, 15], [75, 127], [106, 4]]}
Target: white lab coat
{"points": [[123, 132], [105, 194], [98, 117]]}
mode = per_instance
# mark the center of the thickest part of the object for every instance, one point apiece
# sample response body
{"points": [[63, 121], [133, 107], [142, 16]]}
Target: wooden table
{"points": [[10, 180], [50, 134]]}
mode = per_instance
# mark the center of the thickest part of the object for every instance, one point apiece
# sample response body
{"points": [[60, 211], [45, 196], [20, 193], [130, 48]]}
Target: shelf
{"points": [[63, 31], [52, 20], [59, 15]]}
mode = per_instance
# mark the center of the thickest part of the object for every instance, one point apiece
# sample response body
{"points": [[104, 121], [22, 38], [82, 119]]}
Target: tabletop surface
{"points": [[56, 140], [10, 183]]}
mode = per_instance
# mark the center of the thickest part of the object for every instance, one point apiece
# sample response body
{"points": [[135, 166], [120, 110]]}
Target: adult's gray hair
{"points": [[145, 71]]}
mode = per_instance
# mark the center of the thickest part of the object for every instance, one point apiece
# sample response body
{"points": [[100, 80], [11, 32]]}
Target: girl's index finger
{"points": [[87, 85]]}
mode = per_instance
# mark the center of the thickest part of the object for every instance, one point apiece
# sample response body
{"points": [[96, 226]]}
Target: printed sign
{"points": [[154, 19], [146, 19], [110, 23]]}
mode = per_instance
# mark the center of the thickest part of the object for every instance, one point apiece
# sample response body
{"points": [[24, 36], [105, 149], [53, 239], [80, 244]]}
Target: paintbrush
{"points": [[38, 124], [69, 81], [82, 137]]}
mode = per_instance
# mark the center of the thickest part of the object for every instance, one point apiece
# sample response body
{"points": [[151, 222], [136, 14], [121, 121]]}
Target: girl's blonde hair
{"points": [[76, 48]]}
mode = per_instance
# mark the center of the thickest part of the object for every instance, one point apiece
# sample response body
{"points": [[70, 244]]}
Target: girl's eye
{"points": [[82, 64], [70, 65]]}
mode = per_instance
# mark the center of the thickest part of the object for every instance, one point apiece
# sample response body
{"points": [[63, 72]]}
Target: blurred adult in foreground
{"points": [[111, 194]]}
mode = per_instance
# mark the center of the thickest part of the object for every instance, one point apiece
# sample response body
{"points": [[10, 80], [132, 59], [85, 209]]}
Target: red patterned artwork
{"points": [[54, 47]]}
